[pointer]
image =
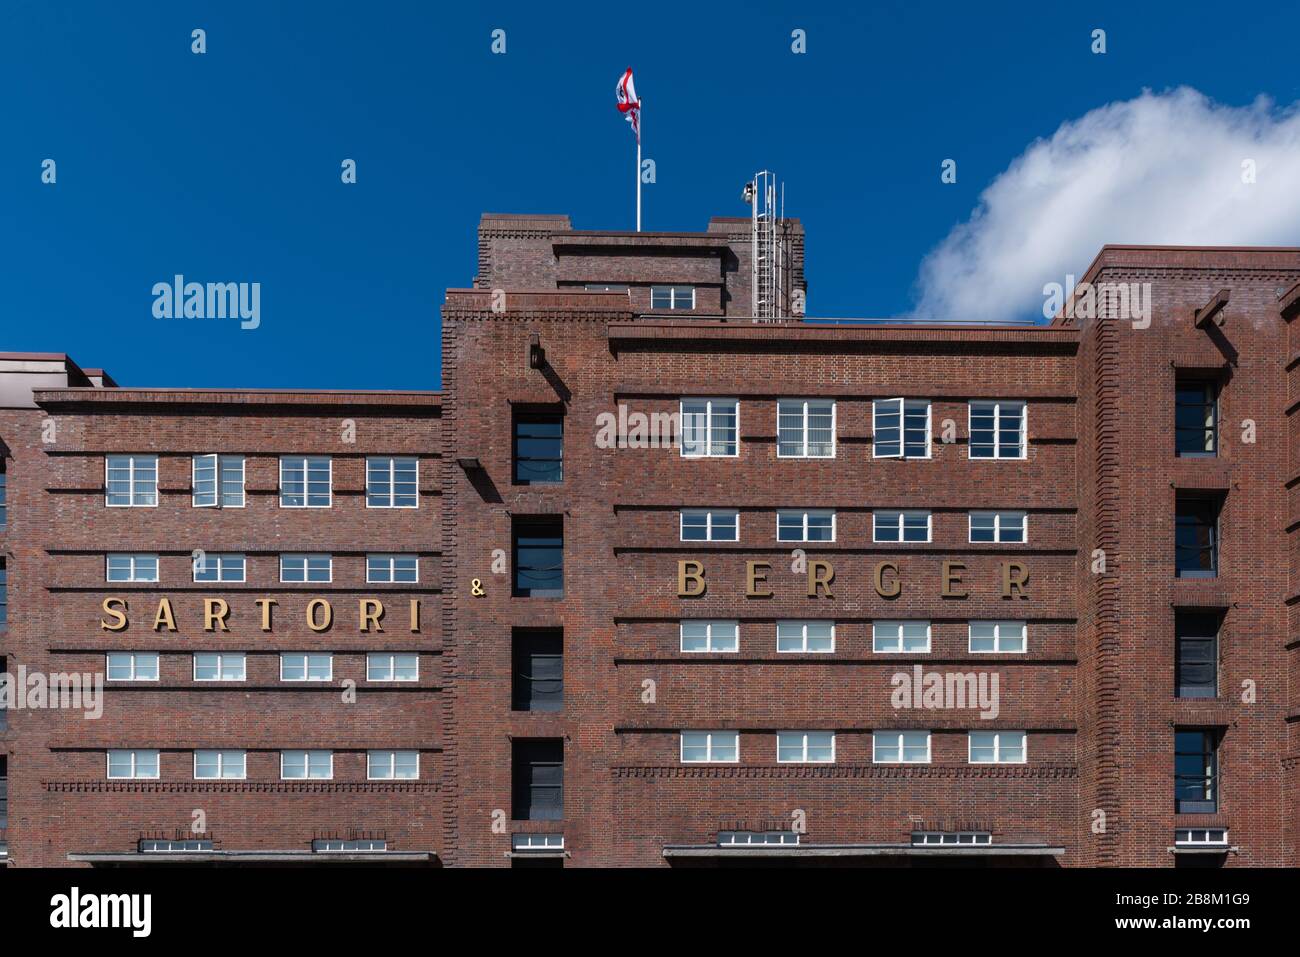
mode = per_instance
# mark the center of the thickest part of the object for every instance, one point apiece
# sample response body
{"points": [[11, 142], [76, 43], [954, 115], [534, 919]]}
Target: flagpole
{"points": [[640, 125]]}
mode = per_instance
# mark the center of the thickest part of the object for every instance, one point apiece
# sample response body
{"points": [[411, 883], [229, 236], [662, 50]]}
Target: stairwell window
{"points": [[1196, 654], [1196, 536], [538, 548], [1196, 418], [805, 429], [710, 427], [998, 430], [672, 297], [1196, 771], [900, 429]]}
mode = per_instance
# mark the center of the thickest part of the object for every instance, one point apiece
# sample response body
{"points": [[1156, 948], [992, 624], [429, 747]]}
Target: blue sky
{"points": [[226, 166]]}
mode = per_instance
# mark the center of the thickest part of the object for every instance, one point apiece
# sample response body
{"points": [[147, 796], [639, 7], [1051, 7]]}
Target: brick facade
{"points": [[1094, 689]]}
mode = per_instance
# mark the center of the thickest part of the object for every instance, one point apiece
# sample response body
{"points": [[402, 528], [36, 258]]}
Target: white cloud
{"points": [[1161, 168]]}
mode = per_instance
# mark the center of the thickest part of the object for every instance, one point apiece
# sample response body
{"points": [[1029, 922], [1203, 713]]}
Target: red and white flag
{"points": [[629, 104]]}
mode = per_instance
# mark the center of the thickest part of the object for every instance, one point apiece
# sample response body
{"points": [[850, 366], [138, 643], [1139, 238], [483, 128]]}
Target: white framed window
{"points": [[306, 481], [900, 429], [388, 666], [805, 747], [998, 636], [756, 838], [132, 666], [996, 747], [130, 567], [384, 569], [211, 764], [950, 838], [805, 429], [892, 525], [333, 845], [715, 636], [133, 763], [999, 527], [306, 568], [672, 297], [898, 637], [220, 666], [900, 747], [131, 481], [710, 525], [805, 525], [522, 843], [151, 846], [710, 747], [392, 765], [1201, 837], [805, 636], [218, 567], [998, 429], [710, 428], [217, 481], [306, 666], [392, 482], [306, 765]]}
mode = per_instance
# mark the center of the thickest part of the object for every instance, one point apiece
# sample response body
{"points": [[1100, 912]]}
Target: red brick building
{"points": [[696, 580]]}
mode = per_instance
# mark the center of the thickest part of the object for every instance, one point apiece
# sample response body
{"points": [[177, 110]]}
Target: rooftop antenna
{"points": [[766, 198]]}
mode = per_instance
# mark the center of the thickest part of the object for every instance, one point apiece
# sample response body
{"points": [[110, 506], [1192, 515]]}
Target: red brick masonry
{"points": [[1094, 689]]}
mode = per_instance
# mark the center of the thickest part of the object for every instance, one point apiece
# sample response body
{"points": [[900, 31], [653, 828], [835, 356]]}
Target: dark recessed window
{"points": [[537, 780], [4, 792], [1196, 537], [4, 499], [538, 683], [1196, 639], [1196, 772], [1195, 418], [539, 556], [539, 448]]}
